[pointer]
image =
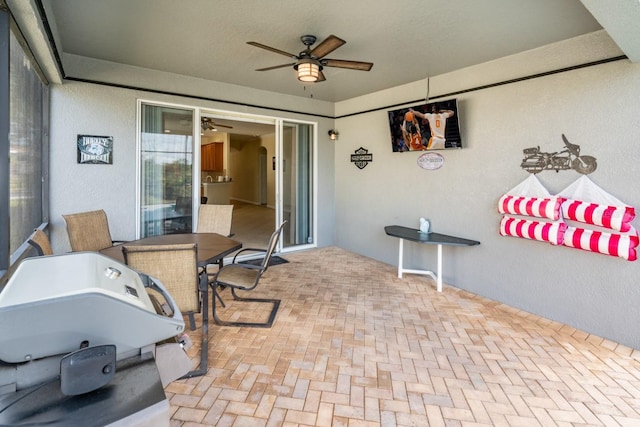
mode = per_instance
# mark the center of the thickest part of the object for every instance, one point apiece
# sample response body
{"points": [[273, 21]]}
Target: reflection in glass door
{"points": [[297, 184], [165, 170]]}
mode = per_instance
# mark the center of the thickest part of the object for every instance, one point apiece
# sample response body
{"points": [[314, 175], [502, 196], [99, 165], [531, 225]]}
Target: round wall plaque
{"points": [[431, 161]]}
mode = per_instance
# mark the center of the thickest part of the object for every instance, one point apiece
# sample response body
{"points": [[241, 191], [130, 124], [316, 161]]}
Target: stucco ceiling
{"points": [[407, 40]]}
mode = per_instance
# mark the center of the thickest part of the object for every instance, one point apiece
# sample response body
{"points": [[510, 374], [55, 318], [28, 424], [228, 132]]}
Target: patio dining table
{"points": [[212, 248]]}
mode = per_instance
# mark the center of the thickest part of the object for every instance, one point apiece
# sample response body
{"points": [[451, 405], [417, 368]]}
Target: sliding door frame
{"points": [[280, 190], [195, 176], [278, 123]]}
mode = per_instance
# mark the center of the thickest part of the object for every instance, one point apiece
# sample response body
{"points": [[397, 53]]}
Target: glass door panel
{"points": [[297, 184], [166, 170]]}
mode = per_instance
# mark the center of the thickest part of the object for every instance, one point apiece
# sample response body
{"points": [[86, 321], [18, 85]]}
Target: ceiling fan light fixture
{"points": [[308, 71]]}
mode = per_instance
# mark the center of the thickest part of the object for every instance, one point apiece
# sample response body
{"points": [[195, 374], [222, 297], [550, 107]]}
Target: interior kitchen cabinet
{"points": [[212, 157]]}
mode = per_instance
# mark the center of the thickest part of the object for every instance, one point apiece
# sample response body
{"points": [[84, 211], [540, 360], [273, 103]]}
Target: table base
{"points": [[436, 276]]}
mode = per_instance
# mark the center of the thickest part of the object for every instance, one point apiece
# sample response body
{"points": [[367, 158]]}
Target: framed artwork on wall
{"points": [[94, 149], [432, 126]]}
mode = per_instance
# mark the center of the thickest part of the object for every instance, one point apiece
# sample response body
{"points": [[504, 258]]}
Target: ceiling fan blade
{"points": [[222, 126], [321, 77], [272, 49], [352, 65], [276, 67], [327, 46]]}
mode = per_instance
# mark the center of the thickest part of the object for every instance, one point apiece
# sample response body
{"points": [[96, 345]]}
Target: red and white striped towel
{"points": [[614, 217], [547, 207], [619, 245], [584, 202], [552, 232]]}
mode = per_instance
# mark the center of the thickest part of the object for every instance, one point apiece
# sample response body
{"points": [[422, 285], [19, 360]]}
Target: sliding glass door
{"points": [[274, 170], [166, 170], [297, 184]]}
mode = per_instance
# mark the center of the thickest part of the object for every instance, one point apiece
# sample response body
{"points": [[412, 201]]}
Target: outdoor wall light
{"points": [[333, 134]]}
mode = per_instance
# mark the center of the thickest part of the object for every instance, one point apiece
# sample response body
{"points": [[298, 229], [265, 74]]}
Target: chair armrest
{"points": [[246, 250]]}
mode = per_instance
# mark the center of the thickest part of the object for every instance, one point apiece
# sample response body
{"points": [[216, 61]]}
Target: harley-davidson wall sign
{"points": [[431, 161], [94, 149], [361, 158]]}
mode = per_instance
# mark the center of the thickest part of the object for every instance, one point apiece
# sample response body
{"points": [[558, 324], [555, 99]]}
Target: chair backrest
{"points": [[88, 231], [184, 204], [273, 242], [40, 242], [175, 266], [215, 219]]}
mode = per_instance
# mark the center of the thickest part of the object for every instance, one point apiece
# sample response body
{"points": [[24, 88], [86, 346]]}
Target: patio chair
{"points": [[89, 231], [240, 276], [40, 242], [175, 266], [181, 223], [215, 219]]}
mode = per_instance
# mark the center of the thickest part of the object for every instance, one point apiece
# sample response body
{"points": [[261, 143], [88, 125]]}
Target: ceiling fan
{"points": [[310, 62], [207, 123]]}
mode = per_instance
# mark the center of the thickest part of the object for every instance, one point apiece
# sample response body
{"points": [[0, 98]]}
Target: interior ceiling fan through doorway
{"points": [[207, 123]]}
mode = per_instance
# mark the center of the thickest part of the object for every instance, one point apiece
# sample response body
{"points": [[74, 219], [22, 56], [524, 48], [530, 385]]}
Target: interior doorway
{"points": [[276, 182], [248, 140]]}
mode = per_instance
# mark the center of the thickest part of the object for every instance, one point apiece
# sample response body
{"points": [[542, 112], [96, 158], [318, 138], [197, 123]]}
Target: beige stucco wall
{"points": [[595, 107]]}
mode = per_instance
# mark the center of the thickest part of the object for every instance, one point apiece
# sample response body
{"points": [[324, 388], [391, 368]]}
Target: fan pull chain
{"points": [[305, 89]]}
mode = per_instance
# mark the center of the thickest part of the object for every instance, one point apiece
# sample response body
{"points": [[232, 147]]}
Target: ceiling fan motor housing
{"points": [[308, 40]]}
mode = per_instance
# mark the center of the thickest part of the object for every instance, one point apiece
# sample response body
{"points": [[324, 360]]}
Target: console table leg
{"points": [[439, 280], [400, 259]]}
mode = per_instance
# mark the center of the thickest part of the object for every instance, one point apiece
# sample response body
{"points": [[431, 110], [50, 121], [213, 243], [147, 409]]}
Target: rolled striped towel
{"points": [[552, 232], [618, 245], [614, 217], [540, 207]]}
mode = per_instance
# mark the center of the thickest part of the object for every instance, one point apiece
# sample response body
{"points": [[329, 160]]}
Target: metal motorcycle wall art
{"points": [[569, 158]]}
